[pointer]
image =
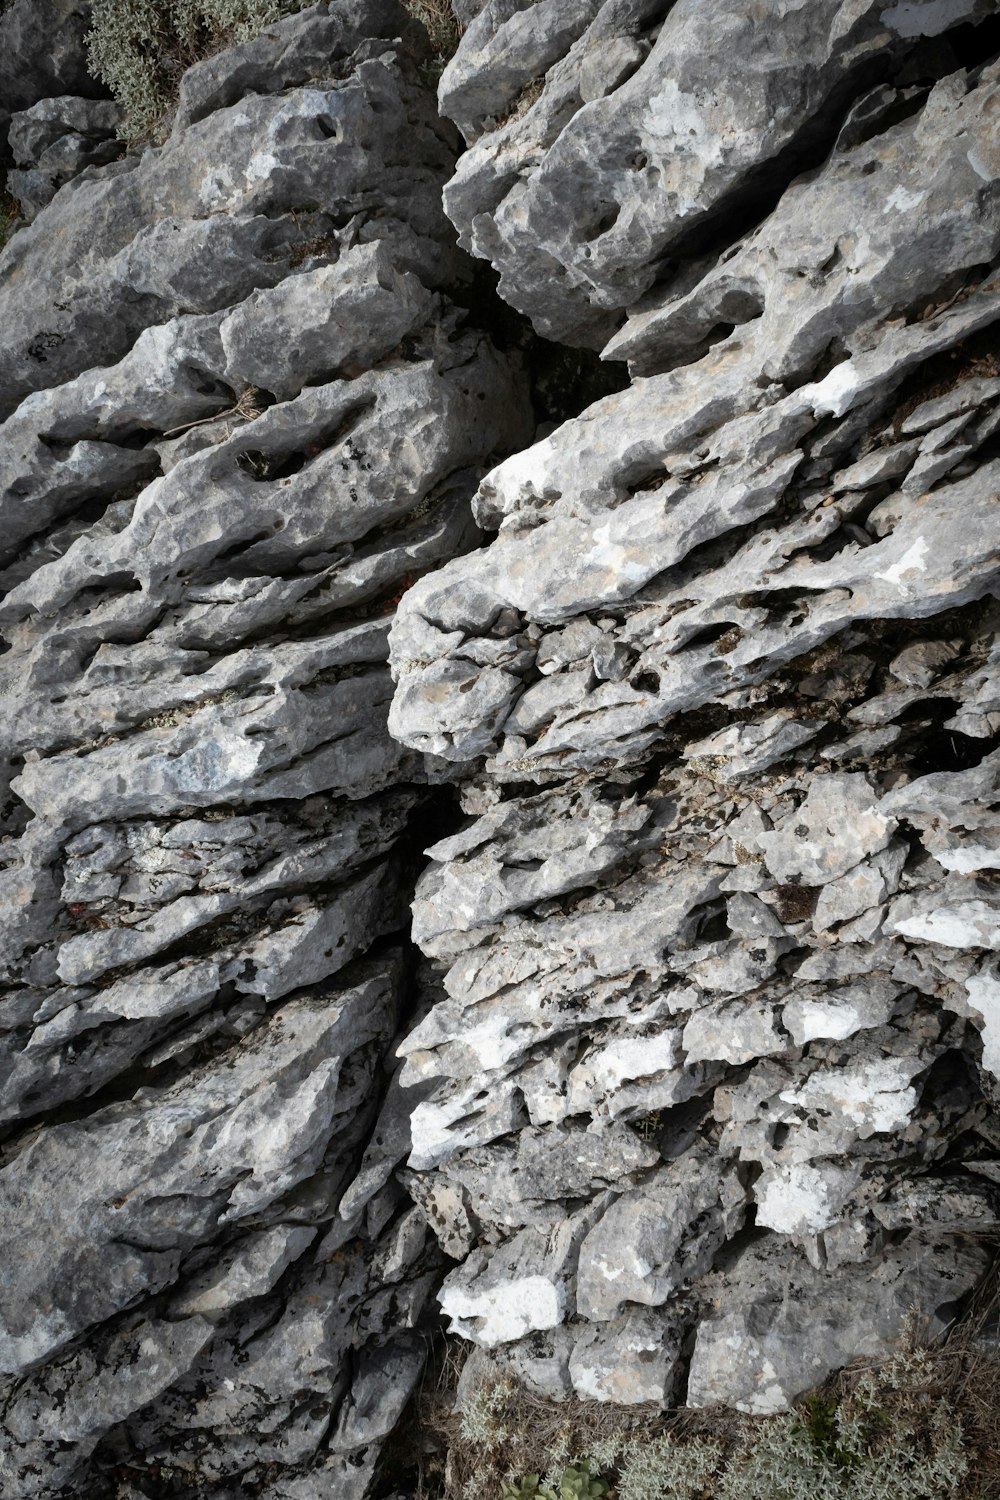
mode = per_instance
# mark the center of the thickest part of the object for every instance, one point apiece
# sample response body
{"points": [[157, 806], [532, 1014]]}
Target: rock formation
{"points": [[42, 56], [709, 1099], [241, 415], [698, 1095]]}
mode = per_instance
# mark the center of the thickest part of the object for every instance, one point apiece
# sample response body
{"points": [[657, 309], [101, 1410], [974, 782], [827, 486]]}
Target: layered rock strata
{"points": [[699, 1087], [240, 418], [709, 1100], [611, 143]]}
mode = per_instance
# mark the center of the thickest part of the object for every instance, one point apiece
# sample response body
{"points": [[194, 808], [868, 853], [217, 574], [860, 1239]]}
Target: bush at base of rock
{"points": [[910, 1428], [141, 48]]}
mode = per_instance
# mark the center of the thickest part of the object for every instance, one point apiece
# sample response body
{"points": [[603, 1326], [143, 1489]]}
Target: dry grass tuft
{"points": [[529, 95], [10, 215], [444, 30]]}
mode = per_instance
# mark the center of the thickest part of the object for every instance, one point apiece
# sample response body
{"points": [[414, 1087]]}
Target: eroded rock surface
{"points": [[53, 141], [699, 1070], [241, 417], [609, 143], [43, 55], [710, 1094]]}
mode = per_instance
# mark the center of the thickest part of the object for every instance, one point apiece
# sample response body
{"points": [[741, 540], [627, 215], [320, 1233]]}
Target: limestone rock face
{"points": [[609, 143], [710, 1096], [241, 417], [588, 936], [53, 141]]}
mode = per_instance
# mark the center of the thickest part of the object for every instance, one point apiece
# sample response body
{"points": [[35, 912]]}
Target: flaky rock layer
{"points": [[709, 1098]]}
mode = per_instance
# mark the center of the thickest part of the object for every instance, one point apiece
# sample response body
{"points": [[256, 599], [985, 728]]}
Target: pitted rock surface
{"points": [[241, 417], [610, 144], [685, 1083], [729, 674]]}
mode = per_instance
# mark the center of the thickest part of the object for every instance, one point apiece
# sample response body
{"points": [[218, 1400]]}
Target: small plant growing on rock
{"points": [[918, 1426], [581, 1481], [141, 48], [444, 31], [482, 1415], [528, 1488], [578, 1481], [666, 1469]]}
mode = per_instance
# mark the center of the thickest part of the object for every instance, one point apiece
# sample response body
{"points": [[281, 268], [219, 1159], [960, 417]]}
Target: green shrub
{"points": [[141, 48], [667, 1469], [578, 1481], [889, 1432]]}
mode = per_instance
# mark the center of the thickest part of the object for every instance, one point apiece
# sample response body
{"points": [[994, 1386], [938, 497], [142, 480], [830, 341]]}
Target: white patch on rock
{"points": [[629, 1058], [808, 1019], [677, 118], [801, 1199], [260, 166], [769, 1398], [983, 990], [912, 561], [217, 187], [508, 1312], [624, 569], [965, 924], [967, 859], [903, 200], [522, 473], [832, 396], [874, 1096]]}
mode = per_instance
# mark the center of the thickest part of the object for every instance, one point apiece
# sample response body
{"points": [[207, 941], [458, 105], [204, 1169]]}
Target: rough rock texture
{"points": [[240, 418], [609, 142], [54, 141], [698, 1088], [42, 55], [709, 1098]]}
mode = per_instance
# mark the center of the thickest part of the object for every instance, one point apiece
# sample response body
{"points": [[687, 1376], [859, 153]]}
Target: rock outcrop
{"points": [[241, 417], [43, 55], [612, 143], [691, 1092], [709, 1101], [53, 141]]}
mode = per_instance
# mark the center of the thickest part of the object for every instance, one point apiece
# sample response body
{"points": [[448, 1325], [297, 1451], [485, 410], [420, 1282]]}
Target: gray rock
{"points": [[185, 1161], [185, 228], [208, 853], [703, 1051], [55, 140], [610, 141], [727, 675], [42, 56], [781, 1328]]}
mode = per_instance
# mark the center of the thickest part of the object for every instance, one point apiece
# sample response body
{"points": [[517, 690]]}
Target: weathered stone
{"points": [[609, 142], [42, 55], [728, 671], [703, 1051], [255, 418], [55, 140], [781, 1327]]}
